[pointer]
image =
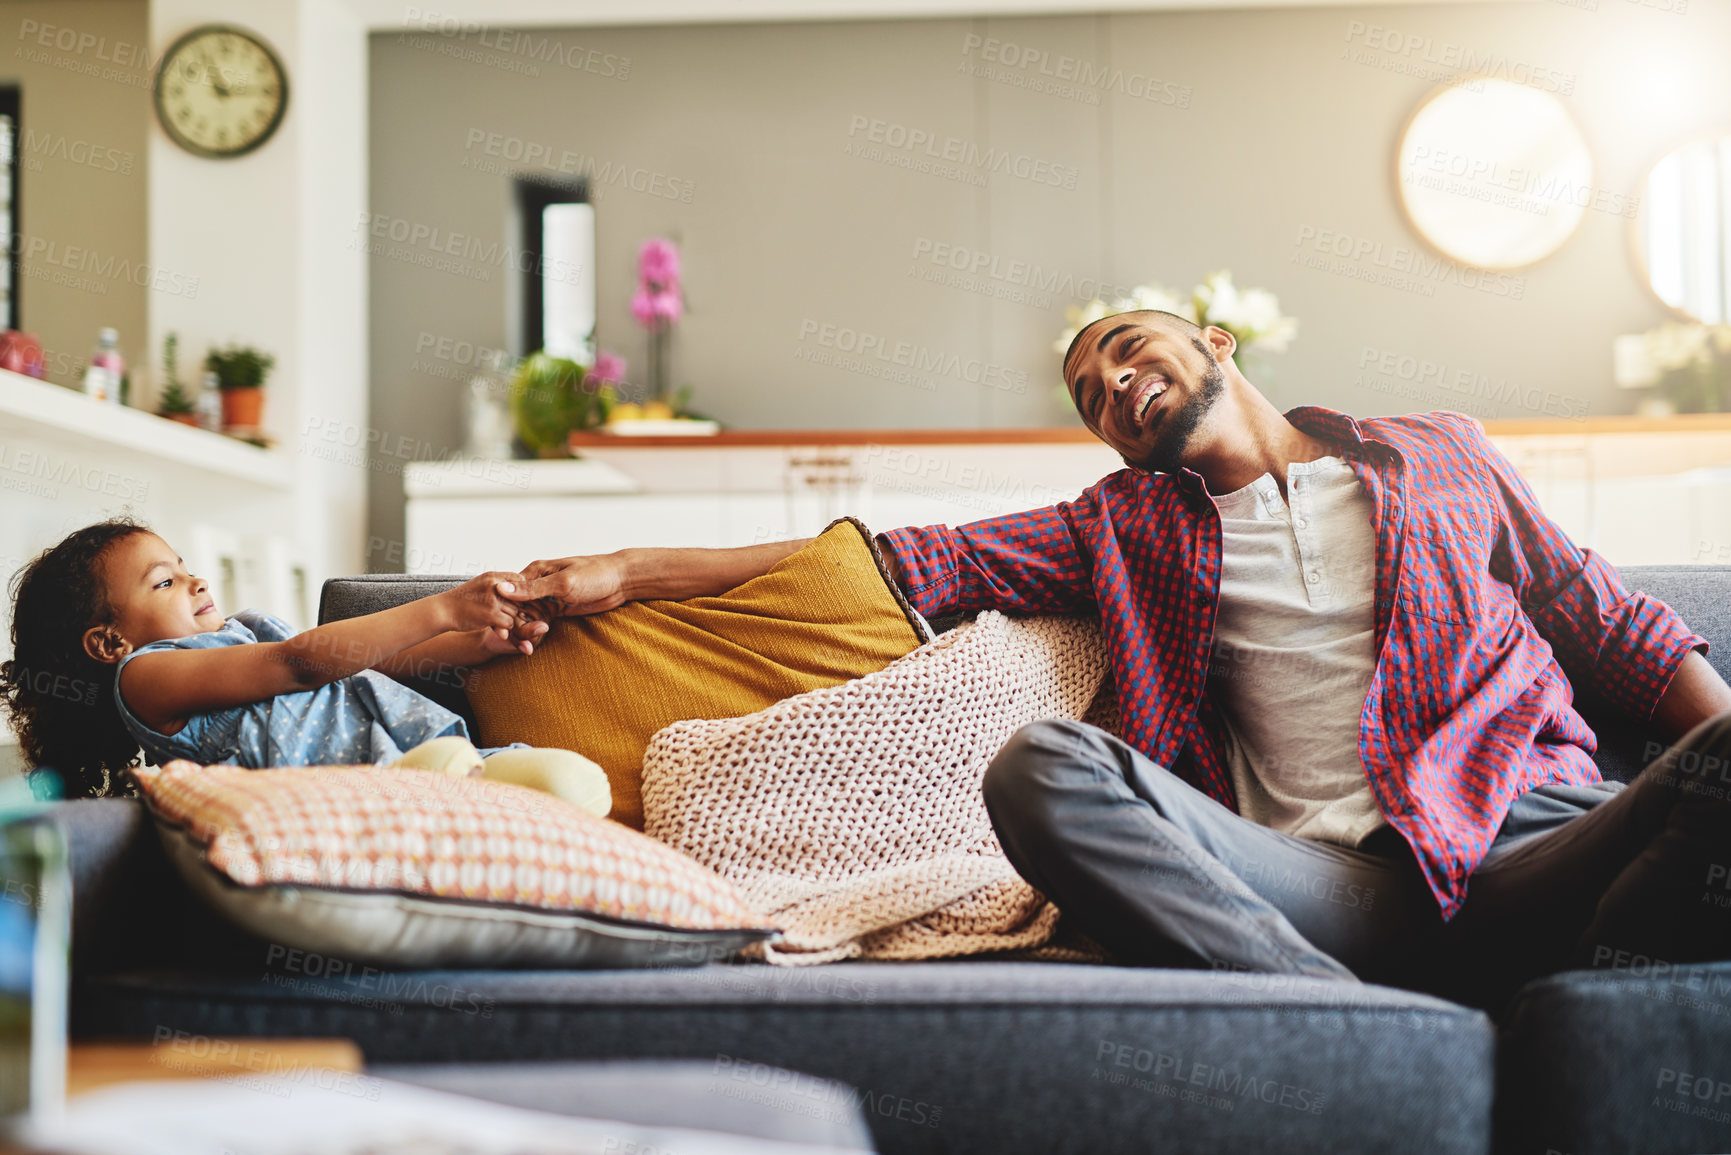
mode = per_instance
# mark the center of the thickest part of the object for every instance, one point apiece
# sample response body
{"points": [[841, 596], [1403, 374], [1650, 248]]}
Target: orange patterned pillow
{"points": [[415, 868]]}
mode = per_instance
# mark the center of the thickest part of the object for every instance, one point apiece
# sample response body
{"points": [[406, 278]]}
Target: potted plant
{"points": [[240, 373], [553, 396], [174, 404]]}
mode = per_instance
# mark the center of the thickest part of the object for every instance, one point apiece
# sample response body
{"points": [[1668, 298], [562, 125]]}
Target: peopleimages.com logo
{"points": [[1071, 77], [873, 138]]}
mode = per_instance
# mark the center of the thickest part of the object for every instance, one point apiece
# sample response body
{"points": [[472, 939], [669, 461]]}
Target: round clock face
{"points": [[220, 91]]}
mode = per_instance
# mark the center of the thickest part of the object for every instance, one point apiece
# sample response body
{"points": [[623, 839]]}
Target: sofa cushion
{"points": [[416, 868], [853, 815], [997, 1057], [602, 685], [1633, 1057]]}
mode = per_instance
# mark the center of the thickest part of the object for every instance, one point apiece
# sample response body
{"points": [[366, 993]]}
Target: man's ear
{"points": [[1223, 343], [105, 644]]}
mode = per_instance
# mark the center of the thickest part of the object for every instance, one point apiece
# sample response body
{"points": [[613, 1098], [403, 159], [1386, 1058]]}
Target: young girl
{"points": [[115, 646]]}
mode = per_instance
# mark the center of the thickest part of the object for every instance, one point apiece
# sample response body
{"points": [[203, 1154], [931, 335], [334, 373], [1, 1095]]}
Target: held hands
{"points": [[573, 585], [489, 606], [519, 640]]}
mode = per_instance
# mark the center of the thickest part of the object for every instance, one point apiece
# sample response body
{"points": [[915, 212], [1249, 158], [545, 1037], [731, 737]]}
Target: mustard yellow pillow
{"points": [[603, 685]]}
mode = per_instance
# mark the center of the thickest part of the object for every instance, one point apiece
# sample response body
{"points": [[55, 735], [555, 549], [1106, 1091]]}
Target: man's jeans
{"points": [[1160, 874]]}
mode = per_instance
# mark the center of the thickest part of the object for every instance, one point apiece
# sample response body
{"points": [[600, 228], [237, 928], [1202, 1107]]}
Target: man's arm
{"points": [[1696, 693], [1027, 562], [1630, 648], [600, 582]]}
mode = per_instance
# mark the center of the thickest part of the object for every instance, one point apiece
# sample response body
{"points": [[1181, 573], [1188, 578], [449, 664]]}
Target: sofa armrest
{"points": [[130, 910]]}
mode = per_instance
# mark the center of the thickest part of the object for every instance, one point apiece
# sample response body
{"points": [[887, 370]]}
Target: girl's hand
{"points": [[519, 641], [479, 603], [524, 636]]}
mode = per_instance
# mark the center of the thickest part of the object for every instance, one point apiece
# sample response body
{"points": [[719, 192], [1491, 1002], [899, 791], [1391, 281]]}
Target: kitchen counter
{"points": [[1639, 490]]}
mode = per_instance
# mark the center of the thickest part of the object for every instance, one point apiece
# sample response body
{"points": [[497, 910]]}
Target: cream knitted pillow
{"points": [[852, 815]]}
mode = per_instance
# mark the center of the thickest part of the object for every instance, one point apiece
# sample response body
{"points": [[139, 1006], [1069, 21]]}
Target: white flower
{"points": [[1141, 297], [1674, 345], [1218, 298], [1160, 298], [1080, 317], [1252, 316]]}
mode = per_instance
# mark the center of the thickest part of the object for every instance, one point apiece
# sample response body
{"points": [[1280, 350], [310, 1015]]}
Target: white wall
{"points": [[267, 234], [267, 238]]}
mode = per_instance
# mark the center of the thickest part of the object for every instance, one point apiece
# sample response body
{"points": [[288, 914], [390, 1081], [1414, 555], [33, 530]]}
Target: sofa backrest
{"points": [[1700, 593]]}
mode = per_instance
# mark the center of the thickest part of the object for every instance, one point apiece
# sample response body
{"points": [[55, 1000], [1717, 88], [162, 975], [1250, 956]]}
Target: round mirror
{"points": [[1683, 230], [1494, 173]]}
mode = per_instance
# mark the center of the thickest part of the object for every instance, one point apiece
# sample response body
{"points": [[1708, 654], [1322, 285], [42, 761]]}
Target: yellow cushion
{"points": [[602, 685]]}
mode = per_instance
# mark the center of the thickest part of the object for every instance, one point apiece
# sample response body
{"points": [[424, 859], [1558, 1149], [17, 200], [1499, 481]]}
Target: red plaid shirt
{"points": [[1482, 604]]}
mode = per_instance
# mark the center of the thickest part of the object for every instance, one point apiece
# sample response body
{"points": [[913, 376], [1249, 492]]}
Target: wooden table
{"points": [[93, 1065]]}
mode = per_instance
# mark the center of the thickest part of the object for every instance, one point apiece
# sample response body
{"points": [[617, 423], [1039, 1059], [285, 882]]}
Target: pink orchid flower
{"points": [[609, 367], [658, 263]]}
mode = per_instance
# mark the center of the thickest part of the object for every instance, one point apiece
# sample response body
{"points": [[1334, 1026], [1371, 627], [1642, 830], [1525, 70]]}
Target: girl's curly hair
{"points": [[59, 699]]}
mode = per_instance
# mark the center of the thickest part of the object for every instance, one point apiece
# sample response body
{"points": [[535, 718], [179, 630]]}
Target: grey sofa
{"points": [[982, 1055]]}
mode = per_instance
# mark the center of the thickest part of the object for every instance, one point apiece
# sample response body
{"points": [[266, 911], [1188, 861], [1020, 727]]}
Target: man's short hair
{"points": [[1183, 324]]}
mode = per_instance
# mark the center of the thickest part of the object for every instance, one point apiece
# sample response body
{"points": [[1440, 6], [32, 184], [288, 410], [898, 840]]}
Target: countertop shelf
{"points": [[1076, 435], [737, 438], [35, 410], [481, 477]]}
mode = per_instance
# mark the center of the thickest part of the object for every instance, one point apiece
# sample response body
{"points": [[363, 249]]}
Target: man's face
{"points": [[1143, 387]]}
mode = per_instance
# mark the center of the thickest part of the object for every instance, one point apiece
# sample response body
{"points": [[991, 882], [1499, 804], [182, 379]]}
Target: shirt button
{"points": [[1301, 523], [1313, 577]]}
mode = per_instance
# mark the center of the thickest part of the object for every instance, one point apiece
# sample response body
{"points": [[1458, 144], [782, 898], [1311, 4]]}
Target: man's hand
{"points": [[593, 585], [571, 586]]}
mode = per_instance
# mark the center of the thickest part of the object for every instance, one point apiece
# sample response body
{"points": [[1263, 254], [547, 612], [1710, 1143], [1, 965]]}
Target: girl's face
{"points": [[153, 598]]}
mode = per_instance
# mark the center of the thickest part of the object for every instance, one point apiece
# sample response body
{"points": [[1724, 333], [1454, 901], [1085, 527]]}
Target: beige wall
{"points": [[1268, 130], [86, 113]]}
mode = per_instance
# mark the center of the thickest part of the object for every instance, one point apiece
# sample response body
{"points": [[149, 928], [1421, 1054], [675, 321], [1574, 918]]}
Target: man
{"points": [[1343, 653]]}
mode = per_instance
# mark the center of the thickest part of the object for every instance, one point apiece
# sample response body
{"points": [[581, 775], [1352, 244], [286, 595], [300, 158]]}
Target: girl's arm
{"points": [[164, 689], [454, 651]]}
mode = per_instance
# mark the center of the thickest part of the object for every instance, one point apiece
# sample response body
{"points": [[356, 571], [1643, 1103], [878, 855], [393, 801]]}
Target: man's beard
{"points": [[1167, 452]]}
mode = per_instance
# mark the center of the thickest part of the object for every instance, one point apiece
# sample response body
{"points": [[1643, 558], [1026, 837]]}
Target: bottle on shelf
{"points": [[489, 410], [107, 368], [209, 404]]}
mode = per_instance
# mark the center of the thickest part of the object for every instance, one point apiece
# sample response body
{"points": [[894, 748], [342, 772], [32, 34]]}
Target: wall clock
{"points": [[220, 91]]}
